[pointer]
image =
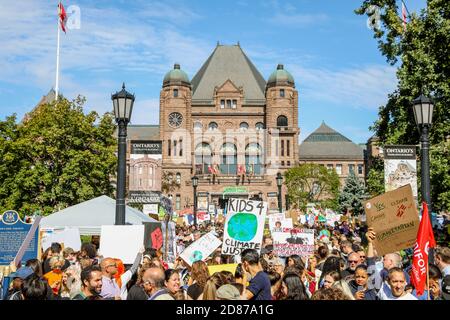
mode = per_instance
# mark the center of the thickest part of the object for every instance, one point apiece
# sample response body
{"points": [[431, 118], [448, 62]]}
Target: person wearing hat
{"points": [[18, 280], [228, 292]]}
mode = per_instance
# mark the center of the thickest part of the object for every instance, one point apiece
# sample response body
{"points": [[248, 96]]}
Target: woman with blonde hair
{"points": [[214, 282], [71, 282]]}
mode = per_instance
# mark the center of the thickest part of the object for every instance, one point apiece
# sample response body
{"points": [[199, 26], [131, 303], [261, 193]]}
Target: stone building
{"points": [[329, 148], [228, 126]]}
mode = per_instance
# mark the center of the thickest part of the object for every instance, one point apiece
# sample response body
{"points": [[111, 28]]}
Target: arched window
{"points": [[178, 178], [203, 157], [259, 126], [198, 125], [253, 161], [282, 121], [228, 154], [243, 126], [213, 126]]}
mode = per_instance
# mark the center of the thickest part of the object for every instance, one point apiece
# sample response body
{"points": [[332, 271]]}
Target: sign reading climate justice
{"points": [[244, 226]]}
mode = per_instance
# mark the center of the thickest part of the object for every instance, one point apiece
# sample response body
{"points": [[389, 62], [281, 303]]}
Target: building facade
{"points": [[229, 127], [329, 148]]}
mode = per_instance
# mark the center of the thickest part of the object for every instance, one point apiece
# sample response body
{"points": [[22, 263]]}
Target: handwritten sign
{"points": [[244, 226], [293, 241], [394, 218], [201, 248]]}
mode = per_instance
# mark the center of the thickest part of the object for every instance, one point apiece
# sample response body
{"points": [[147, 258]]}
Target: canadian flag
{"points": [[425, 240], [404, 15], [62, 16]]}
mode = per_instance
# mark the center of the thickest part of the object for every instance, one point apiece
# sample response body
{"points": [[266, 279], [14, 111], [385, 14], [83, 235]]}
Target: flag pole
{"points": [[428, 281], [57, 57]]}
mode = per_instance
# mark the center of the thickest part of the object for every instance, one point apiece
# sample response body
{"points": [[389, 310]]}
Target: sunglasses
{"points": [[353, 261]]}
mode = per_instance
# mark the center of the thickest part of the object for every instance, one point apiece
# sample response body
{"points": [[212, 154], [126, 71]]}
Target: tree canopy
{"points": [[312, 183], [56, 157], [422, 52], [352, 195]]}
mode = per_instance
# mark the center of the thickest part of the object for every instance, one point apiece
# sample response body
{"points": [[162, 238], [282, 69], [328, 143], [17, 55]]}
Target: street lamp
{"points": [[123, 106], [423, 114], [195, 184], [279, 184]]}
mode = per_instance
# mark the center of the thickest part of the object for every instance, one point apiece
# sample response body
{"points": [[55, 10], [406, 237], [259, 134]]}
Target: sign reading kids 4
{"points": [[244, 226]]}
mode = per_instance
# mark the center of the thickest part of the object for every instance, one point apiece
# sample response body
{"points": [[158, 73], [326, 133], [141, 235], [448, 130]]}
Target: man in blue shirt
{"points": [[259, 285]]}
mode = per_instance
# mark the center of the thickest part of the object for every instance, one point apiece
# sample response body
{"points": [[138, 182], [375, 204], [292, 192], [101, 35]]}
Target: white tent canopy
{"points": [[89, 216]]}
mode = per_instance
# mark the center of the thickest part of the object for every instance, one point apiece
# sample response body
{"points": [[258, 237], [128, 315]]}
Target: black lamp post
{"points": [[423, 114], [279, 184], [195, 184], [123, 106]]}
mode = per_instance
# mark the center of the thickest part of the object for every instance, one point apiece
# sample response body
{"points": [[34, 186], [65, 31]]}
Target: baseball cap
{"points": [[228, 292], [446, 288], [22, 273]]}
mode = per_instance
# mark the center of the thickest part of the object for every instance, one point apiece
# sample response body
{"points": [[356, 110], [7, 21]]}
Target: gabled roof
{"points": [[90, 215], [327, 143], [228, 62]]}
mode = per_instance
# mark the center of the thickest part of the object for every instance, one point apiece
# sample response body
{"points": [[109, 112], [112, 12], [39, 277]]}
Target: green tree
{"points": [[421, 53], [352, 195], [57, 157], [375, 177], [312, 183]]}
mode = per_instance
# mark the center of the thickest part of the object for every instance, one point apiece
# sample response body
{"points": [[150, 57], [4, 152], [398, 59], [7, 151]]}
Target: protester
{"points": [[228, 292], [395, 290], [332, 293], [71, 282], [292, 288], [330, 278], [353, 261], [358, 285], [435, 278], [110, 288], [91, 281], [213, 283], [442, 260], [199, 276], [259, 285], [137, 291], [19, 277], [172, 283]]}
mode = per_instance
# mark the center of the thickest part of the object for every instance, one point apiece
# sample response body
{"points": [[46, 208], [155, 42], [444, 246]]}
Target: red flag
{"points": [[404, 15], [425, 240], [62, 16]]}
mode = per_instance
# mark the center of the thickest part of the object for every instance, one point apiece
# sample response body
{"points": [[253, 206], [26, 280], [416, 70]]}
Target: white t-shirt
{"points": [[385, 293]]}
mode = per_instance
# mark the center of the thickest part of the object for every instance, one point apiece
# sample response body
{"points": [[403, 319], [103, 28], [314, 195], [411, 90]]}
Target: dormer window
{"points": [[234, 104], [175, 93], [282, 93], [222, 104], [229, 104]]}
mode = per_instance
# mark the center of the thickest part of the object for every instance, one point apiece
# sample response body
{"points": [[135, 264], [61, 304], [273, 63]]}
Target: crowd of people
{"points": [[344, 266]]}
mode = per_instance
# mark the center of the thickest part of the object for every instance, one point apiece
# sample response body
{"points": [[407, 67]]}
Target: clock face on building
{"points": [[175, 119]]}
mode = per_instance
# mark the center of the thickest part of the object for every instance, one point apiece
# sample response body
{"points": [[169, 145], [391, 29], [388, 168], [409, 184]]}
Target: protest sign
{"points": [[293, 214], [152, 235], [180, 221], [13, 232], [277, 222], [293, 241], [231, 267], [203, 216], [122, 242], [244, 226], [394, 218], [201, 248], [68, 237]]}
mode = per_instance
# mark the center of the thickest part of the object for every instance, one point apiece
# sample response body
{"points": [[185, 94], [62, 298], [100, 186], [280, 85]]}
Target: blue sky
{"points": [[340, 74]]}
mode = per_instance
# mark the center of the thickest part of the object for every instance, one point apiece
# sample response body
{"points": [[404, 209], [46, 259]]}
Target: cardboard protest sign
{"points": [[231, 267], [180, 221], [293, 241], [122, 242], [277, 222], [13, 232], [69, 238], [293, 214], [152, 235], [394, 218], [244, 226], [201, 248]]}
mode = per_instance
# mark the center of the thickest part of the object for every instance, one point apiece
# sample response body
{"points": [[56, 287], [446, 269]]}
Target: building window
{"points": [[228, 104], [360, 169], [198, 125], [282, 93], [339, 168], [288, 147], [175, 93], [229, 159], [234, 104], [181, 147], [288, 163], [170, 177], [282, 148], [178, 178], [203, 156], [175, 148], [140, 170], [213, 126], [329, 166], [169, 147], [178, 202], [253, 161], [243, 126], [276, 148], [282, 121], [351, 168], [259, 126], [282, 163], [222, 104]]}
